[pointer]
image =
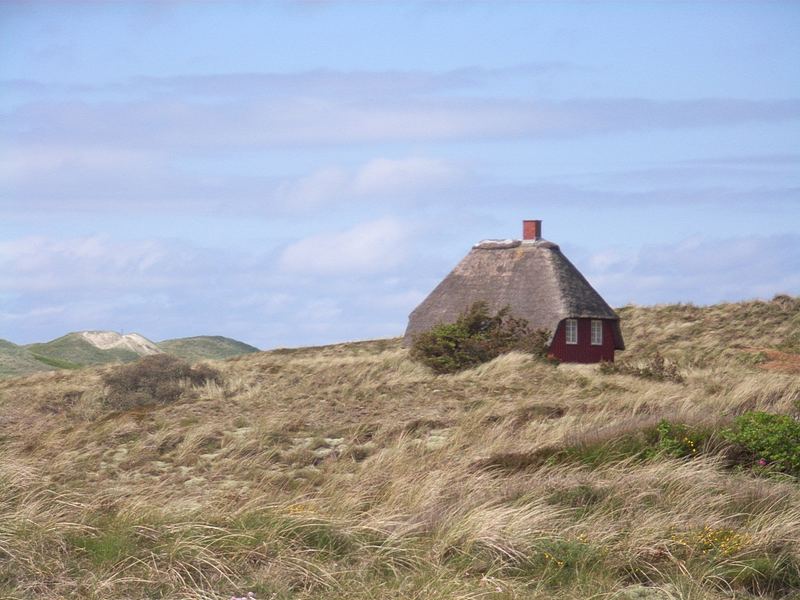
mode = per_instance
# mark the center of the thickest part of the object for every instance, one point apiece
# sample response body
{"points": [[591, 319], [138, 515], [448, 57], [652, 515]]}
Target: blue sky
{"points": [[293, 173]]}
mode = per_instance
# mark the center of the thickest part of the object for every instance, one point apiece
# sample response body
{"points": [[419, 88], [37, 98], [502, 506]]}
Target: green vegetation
{"points": [[475, 338], [56, 363], [105, 547], [17, 360], [680, 440], [207, 347], [768, 439], [73, 349], [759, 440], [637, 441]]}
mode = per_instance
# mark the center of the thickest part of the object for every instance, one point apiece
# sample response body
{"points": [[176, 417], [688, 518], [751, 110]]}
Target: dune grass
{"points": [[206, 347], [350, 471]]}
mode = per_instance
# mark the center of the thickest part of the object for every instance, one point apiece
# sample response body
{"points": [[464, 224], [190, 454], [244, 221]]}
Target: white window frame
{"points": [[571, 331], [597, 332]]}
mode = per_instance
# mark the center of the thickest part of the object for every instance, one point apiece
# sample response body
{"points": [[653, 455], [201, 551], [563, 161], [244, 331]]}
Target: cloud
{"points": [[384, 175], [376, 178], [131, 184], [622, 191], [135, 145], [33, 314], [368, 248], [748, 160], [351, 84], [324, 120], [98, 282], [40, 264], [698, 270], [32, 161], [264, 110], [311, 191], [748, 174], [52, 179], [164, 290]]}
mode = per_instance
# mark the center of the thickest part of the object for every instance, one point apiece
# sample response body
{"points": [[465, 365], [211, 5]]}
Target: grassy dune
{"points": [[213, 347], [350, 472], [73, 351], [17, 360]]}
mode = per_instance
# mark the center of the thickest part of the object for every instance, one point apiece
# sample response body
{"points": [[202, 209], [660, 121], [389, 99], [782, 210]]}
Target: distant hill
{"points": [[17, 360], [205, 346], [86, 348], [90, 348]]}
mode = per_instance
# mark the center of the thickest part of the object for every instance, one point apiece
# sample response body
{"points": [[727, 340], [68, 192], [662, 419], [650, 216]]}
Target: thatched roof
{"points": [[533, 277]]}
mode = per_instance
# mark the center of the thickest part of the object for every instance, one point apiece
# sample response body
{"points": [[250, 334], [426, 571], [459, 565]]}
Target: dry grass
{"points": [[351, 472]]}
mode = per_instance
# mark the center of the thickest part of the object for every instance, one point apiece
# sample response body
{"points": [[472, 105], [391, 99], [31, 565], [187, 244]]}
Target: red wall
{"points": [[583, 351]]}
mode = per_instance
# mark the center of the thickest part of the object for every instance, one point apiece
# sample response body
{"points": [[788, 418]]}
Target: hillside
{"points": [[16, 360], [205, 347], [75, 349], [350, 472], [703, 336], [87, 348]]}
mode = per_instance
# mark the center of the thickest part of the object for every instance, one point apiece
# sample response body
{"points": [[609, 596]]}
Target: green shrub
{"points": [[155, 379], [767, 439], [476, 337], [679, 440]]}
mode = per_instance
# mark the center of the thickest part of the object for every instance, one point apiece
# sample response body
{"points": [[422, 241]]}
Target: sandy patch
{"points": [[106, 340]]}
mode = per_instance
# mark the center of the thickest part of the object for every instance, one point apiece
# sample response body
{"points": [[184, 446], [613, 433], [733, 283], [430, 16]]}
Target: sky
{"points": [[305, 172]]}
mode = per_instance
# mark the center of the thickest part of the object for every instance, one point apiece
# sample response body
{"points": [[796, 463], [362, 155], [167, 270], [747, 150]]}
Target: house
{"points": [[539, 284]]}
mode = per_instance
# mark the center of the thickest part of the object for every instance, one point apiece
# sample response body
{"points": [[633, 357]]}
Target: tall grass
{"points": [[351, 472]]}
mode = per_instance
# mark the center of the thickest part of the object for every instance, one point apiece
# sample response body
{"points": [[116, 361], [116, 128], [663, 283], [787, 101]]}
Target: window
{"points": [[597, 333], [572, 331]]}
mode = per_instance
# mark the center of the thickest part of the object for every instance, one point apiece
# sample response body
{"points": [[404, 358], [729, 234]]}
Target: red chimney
{"points": [[531, 230]]}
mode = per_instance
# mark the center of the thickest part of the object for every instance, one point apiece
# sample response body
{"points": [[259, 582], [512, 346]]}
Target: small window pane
{"points": [[572, 331], [597, 333]]}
